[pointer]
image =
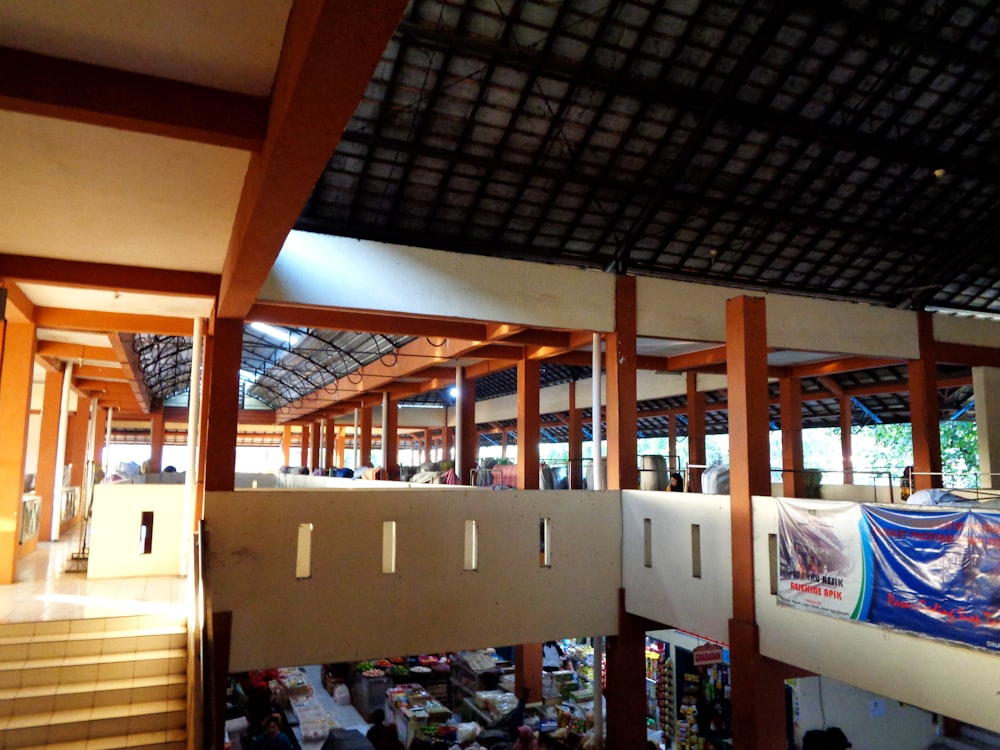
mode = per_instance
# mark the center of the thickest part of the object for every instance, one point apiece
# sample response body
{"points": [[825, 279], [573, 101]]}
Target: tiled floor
{"points": [[45, 590]]}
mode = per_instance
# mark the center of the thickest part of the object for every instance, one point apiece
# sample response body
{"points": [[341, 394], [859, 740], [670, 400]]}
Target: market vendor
{"points": [[552, 656], [272, 738]]}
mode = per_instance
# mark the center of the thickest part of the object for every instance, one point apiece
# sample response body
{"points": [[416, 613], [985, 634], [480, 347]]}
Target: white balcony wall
{"points": [[668, 590], [349, 609], [948, 679]]}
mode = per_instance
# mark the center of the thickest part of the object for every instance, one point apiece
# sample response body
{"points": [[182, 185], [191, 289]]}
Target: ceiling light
{"points": [[939, 173]]}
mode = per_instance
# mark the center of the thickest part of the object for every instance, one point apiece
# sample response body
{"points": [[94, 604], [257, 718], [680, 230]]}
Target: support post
{"points": [[223, 405], [758, 682], [924, 409], [696, 432], [528, 422], [620, 364], [793, 480], [16, 368], [846, 449], [575, 437]]}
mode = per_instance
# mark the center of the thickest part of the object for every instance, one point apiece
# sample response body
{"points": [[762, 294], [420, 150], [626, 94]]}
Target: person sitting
{"points": [[382, 735], [272, 738]]}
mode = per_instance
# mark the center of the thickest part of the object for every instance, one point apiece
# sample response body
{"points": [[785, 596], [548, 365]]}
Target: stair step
{"points": [[91, 625], [82, 725], [84, 695], [34, 646], [114, 666], [171, 739]]}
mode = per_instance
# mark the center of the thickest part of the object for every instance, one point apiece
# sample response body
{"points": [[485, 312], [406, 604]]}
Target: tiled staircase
{"points": [[94, 684]]}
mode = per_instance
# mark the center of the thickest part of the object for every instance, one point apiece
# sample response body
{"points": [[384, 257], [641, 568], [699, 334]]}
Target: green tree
{"points": [[891, 449]]}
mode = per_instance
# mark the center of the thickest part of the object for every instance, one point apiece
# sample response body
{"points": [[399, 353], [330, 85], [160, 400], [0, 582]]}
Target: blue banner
{"points": [[936, 573]]}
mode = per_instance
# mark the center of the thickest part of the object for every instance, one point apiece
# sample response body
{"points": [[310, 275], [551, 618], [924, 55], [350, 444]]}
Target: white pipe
{"points": [[88, 462], [354, 437], [598, 692], [191, 478], [460, 407], [107, 443], [57, 486], [385, 428], [595, 407]]}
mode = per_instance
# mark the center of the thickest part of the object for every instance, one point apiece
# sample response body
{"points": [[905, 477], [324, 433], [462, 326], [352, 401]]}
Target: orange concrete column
{"points": [[757, 682], [445, 442], [222, 403], [48, 436], [207, 358], [528, 423], [329, 441], [304, 445], [575, 470], [696, 431], [793, 480], [924, 409], [626, 681], [156, 441], [846, 448], [620, 368], [390, 441], [466, 434], [100, 429], [365, 437], [341, 446], [76, 441], [286, 444], [315, 438], [528, 670], [16, 367]]}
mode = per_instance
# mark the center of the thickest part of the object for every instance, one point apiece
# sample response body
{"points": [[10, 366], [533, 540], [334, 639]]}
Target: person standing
{"points": [[552, 656]]}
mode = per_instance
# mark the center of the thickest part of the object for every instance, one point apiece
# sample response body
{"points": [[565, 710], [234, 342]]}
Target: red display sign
{"points": [[707, 654]]}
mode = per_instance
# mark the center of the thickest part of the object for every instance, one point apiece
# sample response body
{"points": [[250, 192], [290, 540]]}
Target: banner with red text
{"points": [[930, 572], [937, 573]]}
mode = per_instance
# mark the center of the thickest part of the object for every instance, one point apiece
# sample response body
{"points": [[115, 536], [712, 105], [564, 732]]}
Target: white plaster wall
{"points": [[667, 591], [649, 385], [349, 609], [329, 271], [31, 447], [951, 680], [856, 493], [870, 721], [114, 530], [964, 330], [697, 312]]}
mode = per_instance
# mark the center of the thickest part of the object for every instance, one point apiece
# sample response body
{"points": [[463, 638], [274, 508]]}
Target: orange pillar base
{"points": [[528, 670], [758, 691]]}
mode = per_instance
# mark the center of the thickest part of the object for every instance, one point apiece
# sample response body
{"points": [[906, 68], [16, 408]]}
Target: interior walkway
{"points": [[45, 590]]}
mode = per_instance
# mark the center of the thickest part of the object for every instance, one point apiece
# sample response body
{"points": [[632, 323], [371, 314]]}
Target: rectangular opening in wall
{"points": [[696, 550], [545, 552], [647, 542], [772, 561], [388, 546], [303, 553], [146, 533], [471, 545]]}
